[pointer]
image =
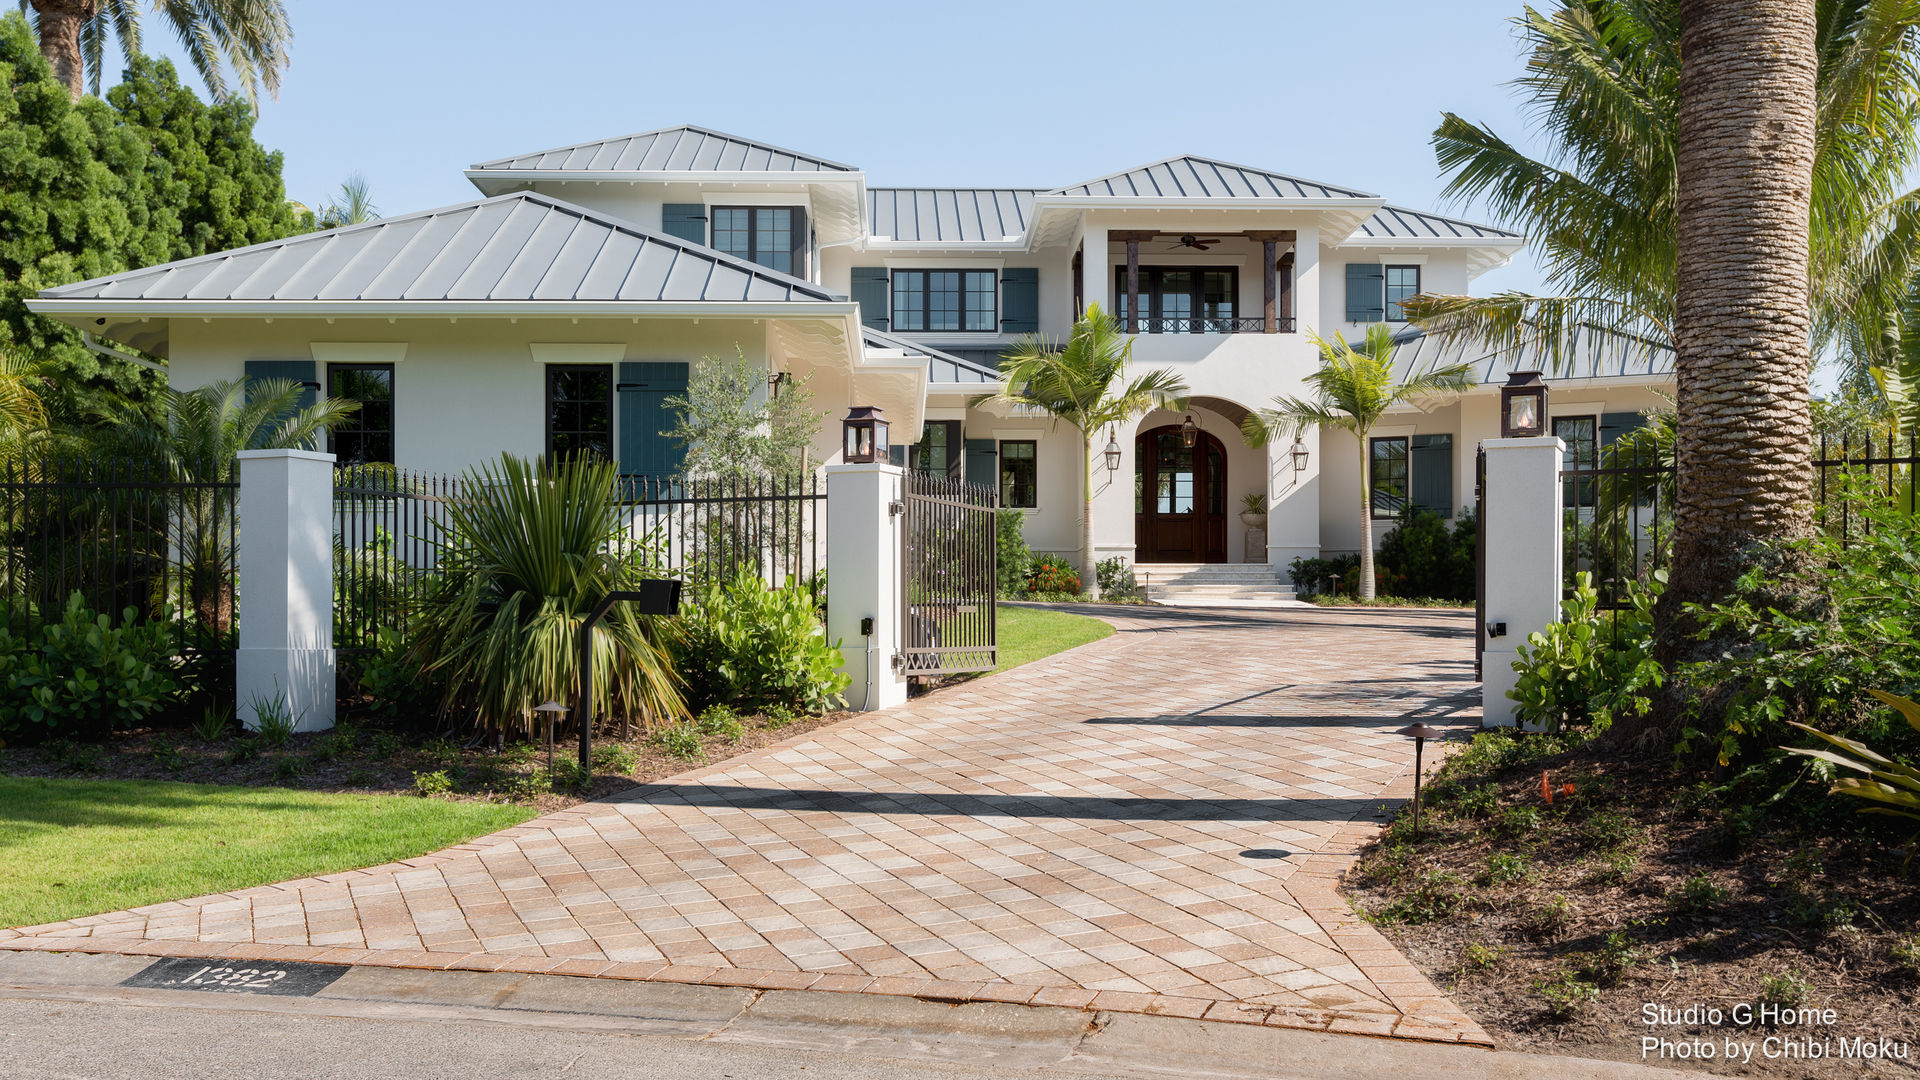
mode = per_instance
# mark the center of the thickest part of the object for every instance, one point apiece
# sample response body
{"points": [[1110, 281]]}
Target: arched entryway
{"points": [[1179, 497]]}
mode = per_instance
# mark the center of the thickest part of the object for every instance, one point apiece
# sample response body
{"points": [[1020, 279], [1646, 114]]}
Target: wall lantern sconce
{"points": [[1189, 432], [864, 435], [1299, 455], [1112, 453], [1523, 406]]}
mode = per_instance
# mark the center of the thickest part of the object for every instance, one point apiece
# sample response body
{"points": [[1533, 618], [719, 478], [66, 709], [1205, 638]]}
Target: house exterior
{"points": [[559, 309]]}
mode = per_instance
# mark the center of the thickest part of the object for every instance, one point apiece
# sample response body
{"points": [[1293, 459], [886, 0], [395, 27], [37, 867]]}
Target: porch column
{"points": [[1270, 244], [1133, 284], [1286, 290], [285, 659], [1096, 283], [1521, 521], [1079, 282]]}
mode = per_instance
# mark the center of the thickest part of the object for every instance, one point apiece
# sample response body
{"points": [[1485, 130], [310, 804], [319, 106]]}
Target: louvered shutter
{"points": [[869, 290], [1430, 473], [1020, 300], [645, 449], [688, 221], [1366, 292], [983, 463]]}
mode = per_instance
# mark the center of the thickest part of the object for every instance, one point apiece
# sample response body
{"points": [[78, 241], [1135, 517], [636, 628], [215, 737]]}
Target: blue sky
{"points": [[980, 92]]}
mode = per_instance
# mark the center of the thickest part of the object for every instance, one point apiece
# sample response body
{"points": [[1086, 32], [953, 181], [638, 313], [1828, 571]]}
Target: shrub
{"points": [[1012, 555], [215, 723], [1434, 895], [779, 716], [1549, 918], [719, 720], [1504, 869], [1787, 989], [1052, 574], [1565, 995], [1698, 893], [741, 643], [83, 677], [394, 683], [432, 783], [1318, 577], [289, 769], [275, 722], [613, 758], [1422, 557], [1592, 666], [1888, 787], [681, 741], [1115, 578]]}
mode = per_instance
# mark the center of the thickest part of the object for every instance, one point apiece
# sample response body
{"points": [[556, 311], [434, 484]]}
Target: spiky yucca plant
{"points": [[527, 551]]}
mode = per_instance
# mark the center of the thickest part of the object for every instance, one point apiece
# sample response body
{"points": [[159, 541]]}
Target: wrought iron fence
{"points": [[947, 554], [389, 527], [121, 534]]}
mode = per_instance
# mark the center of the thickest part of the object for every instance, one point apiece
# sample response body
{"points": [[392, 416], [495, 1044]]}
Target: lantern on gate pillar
{"points": [[1523, 406], [863, 435]]}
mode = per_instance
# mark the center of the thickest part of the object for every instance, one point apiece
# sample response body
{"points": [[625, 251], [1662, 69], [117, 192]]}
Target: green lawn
{"points": [[80, 847], [1027, 634]]}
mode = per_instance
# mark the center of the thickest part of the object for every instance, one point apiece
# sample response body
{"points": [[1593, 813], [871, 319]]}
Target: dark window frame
{"points": [[956, 449], [796, 224], [1579, 492], [355, 423], [1010, 485], [1373, 476], [926, 294], [547, 404], [1389, 307], [1152, 293]]}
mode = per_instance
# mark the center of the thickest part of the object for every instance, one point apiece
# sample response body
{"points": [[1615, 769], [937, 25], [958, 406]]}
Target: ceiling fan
{"points": [[1198, 243]]}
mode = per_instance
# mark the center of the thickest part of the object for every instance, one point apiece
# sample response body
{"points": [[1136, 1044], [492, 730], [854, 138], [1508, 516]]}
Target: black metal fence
{"points": [[389, 526], [947, 559], [1619, 510], [121, 535]]}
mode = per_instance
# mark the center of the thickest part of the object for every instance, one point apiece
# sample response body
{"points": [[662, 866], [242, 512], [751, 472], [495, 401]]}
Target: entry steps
{"points": [[1215, 585]]}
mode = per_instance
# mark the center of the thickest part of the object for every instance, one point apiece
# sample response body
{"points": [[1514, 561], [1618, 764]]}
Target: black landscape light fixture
{"points": [[1523, 406], [1189, 432], [660, 596], [1419, 733], [1299, 455], [1112, 452], [864, 436], [553, 709]]}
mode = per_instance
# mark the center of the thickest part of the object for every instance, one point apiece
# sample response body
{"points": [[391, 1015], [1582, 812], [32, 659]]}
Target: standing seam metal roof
{"points": [[942, 367], [1191, 177], [677, 149], [1398, 222], [520, 246], [943, 215]]}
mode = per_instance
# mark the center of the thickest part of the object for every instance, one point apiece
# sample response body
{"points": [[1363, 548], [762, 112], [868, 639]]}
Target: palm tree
{"points": [[1084, 384], [354, 206], [20, 407], [1604, 77], [1749, 131], [247, 38], [1353, 388]]}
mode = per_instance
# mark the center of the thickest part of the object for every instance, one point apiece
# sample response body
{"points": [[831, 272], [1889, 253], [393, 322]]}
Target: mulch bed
{"points": [[1556, 926], [379, 758]]}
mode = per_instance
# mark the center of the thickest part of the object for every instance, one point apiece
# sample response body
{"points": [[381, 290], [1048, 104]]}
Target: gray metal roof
{"points": [[942, 367], [676, 149], [1597, 354], [1398, 222], [943, 215], [519, 246], [1190, 177]]}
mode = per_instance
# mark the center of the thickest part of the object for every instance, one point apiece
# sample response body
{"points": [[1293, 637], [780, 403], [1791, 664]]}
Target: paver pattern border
{"points": [[1015, 839]]}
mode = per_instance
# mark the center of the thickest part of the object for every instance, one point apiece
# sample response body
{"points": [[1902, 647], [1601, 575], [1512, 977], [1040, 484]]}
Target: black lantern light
{"points": [[1299, 455], [1112, 453], [864, 435], [1419, 733], [1189, 432], [1523, 406]]}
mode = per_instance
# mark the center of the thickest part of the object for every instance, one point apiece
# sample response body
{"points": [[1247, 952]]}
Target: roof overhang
{"points": [[1055, 216], [1483, 252], [839, 198]]}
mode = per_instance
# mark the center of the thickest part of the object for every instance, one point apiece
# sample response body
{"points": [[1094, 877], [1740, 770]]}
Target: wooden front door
{"points": [[1179, 498]]}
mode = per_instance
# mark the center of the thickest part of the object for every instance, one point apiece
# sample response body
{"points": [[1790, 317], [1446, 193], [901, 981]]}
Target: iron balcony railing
{"points": [[1208, 324]]}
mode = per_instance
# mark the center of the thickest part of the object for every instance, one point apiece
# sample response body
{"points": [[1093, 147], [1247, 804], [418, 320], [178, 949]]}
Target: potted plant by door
{"points": [[1253, 511]]}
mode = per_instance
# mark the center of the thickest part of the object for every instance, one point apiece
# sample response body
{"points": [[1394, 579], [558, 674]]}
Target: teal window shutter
{"points": [[1430, 460], [688, 221], [1366, 292], [1613, 425], [300, 371], [983, 463], [645, 449], [869, 290], [1020, 300]]}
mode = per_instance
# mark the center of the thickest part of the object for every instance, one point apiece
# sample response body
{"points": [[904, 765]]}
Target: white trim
{"points": [[907, 262], [711, 199], [577, 352], [358, 352], [440, 309], [1397, 258]]}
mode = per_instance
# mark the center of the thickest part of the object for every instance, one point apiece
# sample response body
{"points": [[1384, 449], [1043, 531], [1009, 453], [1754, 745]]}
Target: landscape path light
{"points": [[1419, 733], [552, 709]]}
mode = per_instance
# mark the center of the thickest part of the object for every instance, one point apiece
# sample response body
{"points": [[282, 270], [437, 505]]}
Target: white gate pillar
{"points": [[1521, 520], [285, 592], [864, 580]]}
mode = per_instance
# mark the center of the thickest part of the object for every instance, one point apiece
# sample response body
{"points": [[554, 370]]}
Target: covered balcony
{"points": [[1184, 283]]}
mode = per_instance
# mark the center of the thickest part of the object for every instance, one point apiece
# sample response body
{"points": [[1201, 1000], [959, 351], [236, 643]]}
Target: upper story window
{"points": [[367, 433], [580, 411], [1181, 299], [956, 300], [773, 236], [1403, 284]]}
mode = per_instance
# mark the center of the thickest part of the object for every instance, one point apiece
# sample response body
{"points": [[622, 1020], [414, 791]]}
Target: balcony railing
{"points": [[1245, 324]]}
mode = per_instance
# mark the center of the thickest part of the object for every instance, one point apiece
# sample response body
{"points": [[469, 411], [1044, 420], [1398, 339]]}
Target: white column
{"points": [[1096, 277], [286, 587], [863, 580], [1522, 524]]}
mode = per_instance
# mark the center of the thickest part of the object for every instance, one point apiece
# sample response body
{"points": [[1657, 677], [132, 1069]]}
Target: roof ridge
{"points": [[500, 162], [1354, 193]]}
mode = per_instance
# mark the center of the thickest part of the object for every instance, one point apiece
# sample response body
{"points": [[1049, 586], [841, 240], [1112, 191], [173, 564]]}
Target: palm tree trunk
{"points": [[1366, 526], [1089, 581], [1745, 160], [60, 22]]}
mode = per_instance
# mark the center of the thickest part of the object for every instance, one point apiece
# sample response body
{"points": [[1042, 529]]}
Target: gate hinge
{"points": [[899, 663], [896, 508]]}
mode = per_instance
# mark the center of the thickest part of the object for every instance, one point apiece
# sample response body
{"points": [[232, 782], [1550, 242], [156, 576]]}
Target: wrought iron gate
{"points": [[948, 577]]}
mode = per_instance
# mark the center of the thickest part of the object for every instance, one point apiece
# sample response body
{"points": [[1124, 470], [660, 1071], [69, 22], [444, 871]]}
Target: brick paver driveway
{"points": [[1151, 823]]}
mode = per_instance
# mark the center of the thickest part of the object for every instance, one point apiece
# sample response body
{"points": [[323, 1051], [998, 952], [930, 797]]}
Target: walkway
{"points": [[1153, 823]]}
